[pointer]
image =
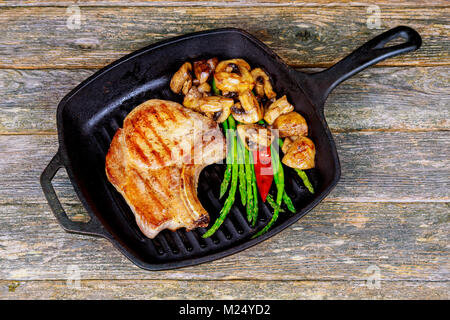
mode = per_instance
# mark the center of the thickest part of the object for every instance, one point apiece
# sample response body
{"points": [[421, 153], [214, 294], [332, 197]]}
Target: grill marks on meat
{"points": [[155, 162]]}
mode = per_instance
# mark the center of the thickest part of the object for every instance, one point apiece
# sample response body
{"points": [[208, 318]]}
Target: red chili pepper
{"points": [[263, 171]]}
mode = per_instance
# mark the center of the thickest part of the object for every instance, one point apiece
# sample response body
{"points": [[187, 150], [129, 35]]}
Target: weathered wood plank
{"points": [[336, 241], [409, 98], [393, 166], [228, 3], [302, 36], [391, 99], [376, 166], [227, 290], [29, 98]]}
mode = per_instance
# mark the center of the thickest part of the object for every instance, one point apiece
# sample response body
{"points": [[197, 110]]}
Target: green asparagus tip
{"points": [[214, 88], [305, 179]]}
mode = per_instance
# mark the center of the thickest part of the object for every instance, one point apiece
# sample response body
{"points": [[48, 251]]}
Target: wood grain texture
{"points": [[376, 166], [409, 98], [227, 290], [38, 37], [336, 241], [390, 210], [228, 3]]}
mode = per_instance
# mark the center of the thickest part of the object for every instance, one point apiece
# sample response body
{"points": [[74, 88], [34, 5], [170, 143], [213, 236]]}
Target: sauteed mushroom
{"points": [[228, 65], [204, 88], [204, 68], [248, 100], [182, 79], [186, 86], [277, 108], [291, 124], [254, 136], [232, 95], [192, 99], [248, 110], [300, 154], [227, 82], [262, 83], [215, 103], [233, 76], [243, 116], [217, 107], [221, 116]]}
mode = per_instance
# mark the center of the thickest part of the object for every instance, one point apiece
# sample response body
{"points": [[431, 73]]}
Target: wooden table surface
{"points": [[382, 233]]}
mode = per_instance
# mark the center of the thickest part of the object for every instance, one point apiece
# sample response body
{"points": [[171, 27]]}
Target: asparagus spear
{"points": [[214, 88], [227, 174], [305, 179], [234, 181], [287, 200], [248, 178], [272, 202], [242, 180], [255, 195]]}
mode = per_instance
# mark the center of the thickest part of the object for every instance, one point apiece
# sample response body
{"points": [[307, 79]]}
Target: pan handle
{"points": [[322, 83], [93, 227]]}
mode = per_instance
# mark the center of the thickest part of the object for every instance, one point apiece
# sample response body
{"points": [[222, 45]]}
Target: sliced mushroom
{"points": [[259, 87], [243, 116], [227, 65], [213, 63], [232, 95], [227, 81], [277, 108], [248, 109], [187, 85], [182, 79], [263, 86], [301, 154], [291, 124], [192, 99], [215, 103], [216, 107], [221, 116], [248, 100], [204, 68], [204, 88], [254, 136], [233, 76]]}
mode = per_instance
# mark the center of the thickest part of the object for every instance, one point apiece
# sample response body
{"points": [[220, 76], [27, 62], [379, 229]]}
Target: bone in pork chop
{"points": [[155, 162]]}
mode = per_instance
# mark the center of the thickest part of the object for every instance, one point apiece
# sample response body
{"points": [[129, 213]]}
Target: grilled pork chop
{"points": [[155, 162]]}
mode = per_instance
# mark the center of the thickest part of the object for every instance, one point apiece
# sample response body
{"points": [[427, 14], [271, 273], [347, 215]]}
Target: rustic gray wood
{"points": [[390, 210], [229, 290], [376, 166], [302, 36], [336, 241], [232, 3], [410, 98]]}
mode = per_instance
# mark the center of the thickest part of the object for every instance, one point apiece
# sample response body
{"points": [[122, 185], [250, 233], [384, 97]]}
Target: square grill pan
{"points": [[89, 115]]}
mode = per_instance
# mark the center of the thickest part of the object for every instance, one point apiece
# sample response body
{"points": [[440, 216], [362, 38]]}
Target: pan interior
{"points": [[88, 119]]}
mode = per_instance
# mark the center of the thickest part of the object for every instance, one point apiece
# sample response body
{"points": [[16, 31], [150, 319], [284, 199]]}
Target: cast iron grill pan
{"points": [[89, 115]]}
